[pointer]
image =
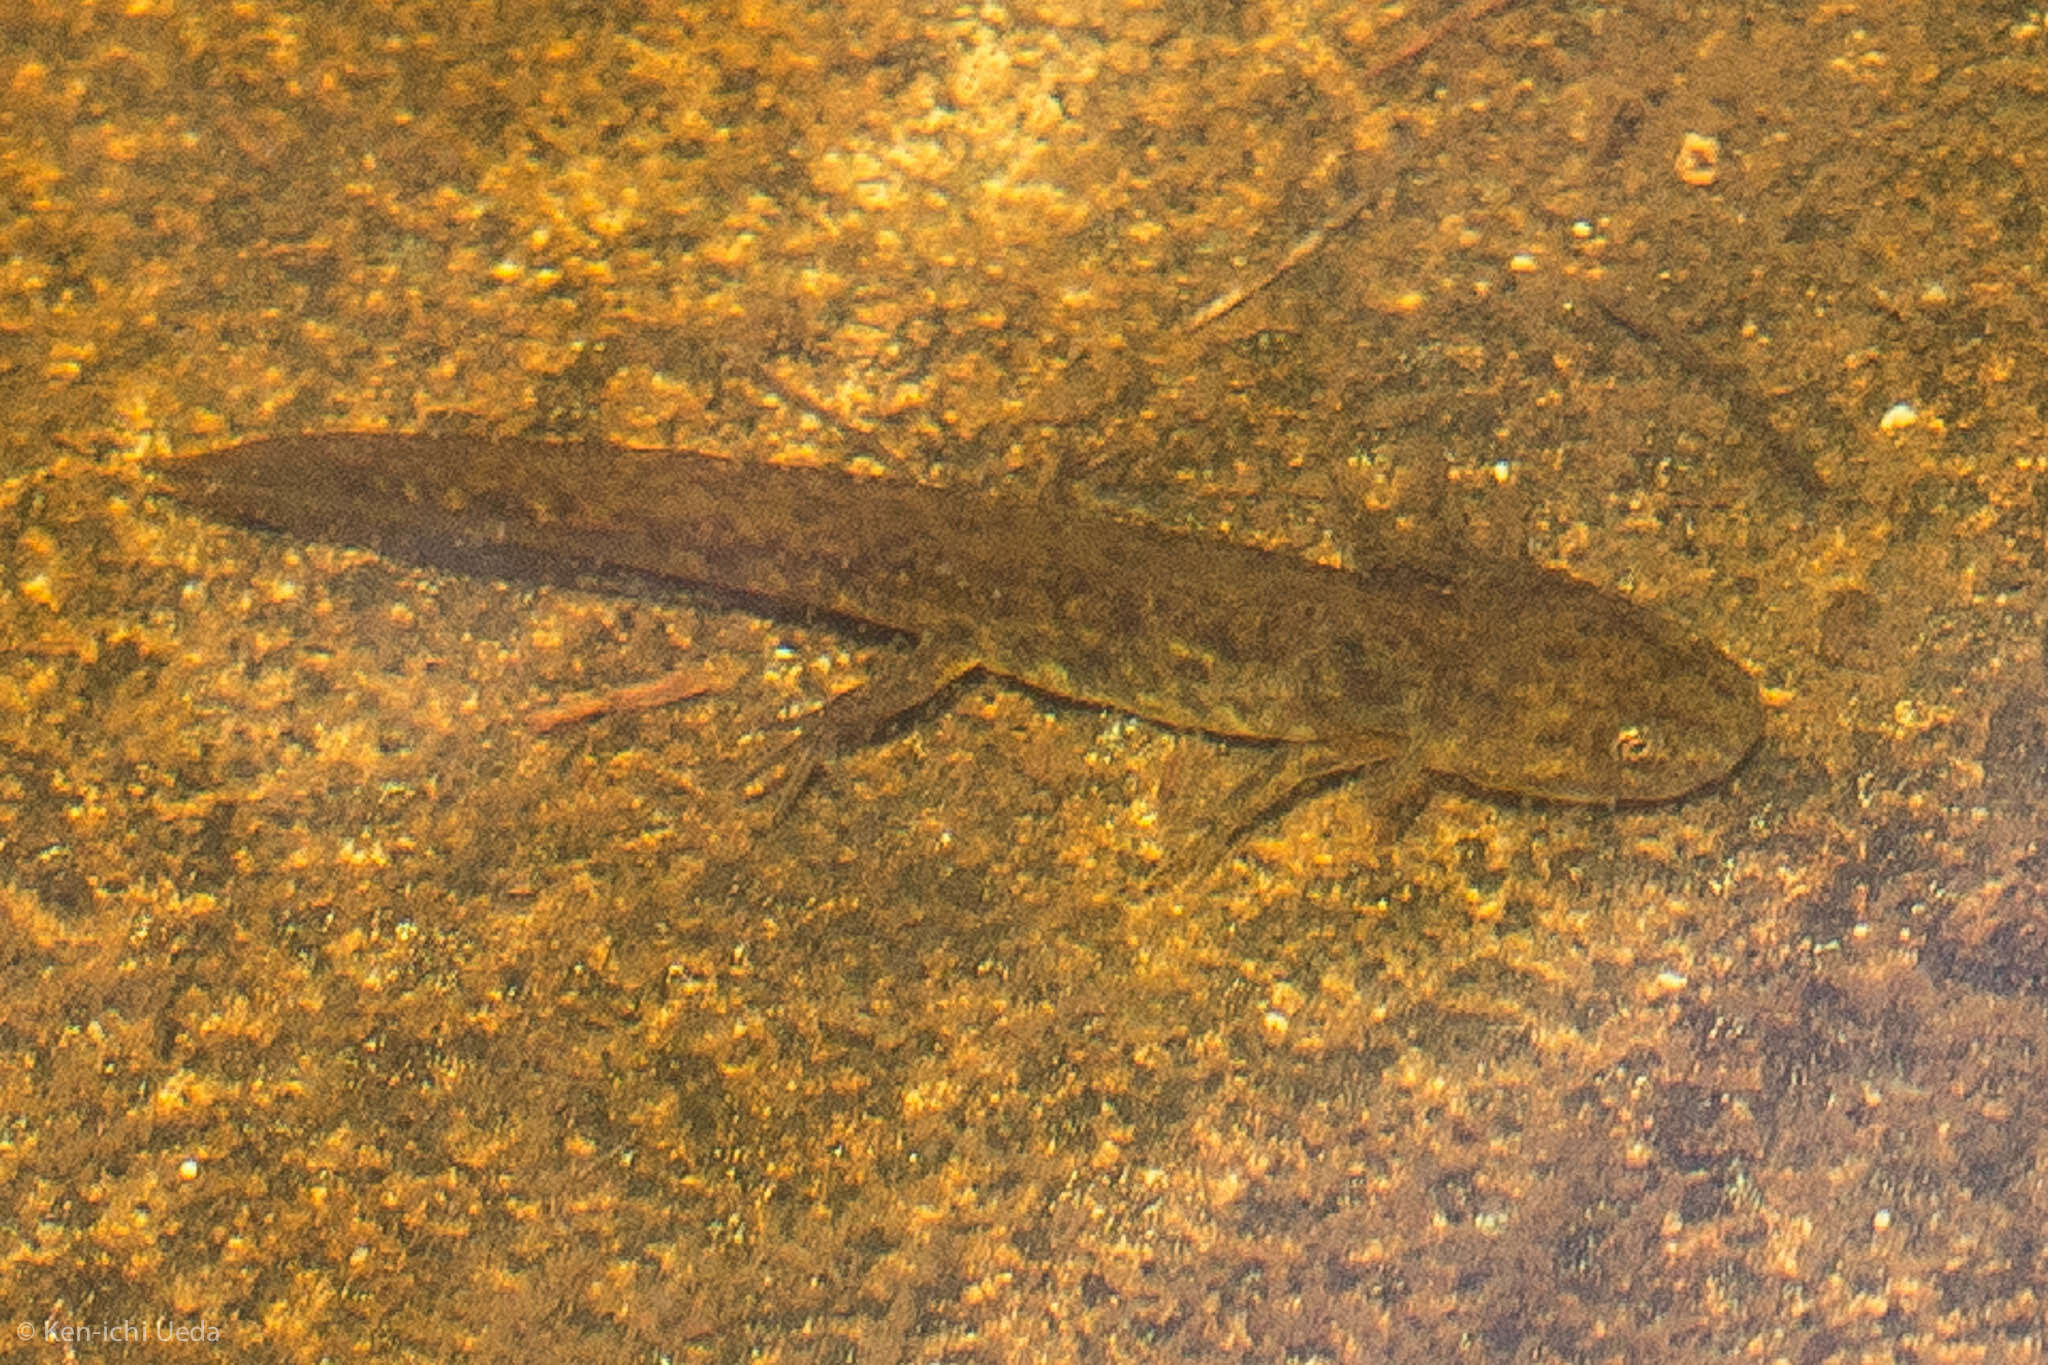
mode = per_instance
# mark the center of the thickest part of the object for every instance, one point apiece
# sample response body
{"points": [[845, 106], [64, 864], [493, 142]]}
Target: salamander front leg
{"points": [[1290, 772], [852, 719]]}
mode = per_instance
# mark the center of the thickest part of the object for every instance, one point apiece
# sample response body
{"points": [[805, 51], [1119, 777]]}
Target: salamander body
{"points": [[1510, 677]]}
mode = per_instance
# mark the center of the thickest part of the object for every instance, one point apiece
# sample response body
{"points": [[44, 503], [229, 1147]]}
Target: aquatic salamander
{"points": [[1513, 678]]}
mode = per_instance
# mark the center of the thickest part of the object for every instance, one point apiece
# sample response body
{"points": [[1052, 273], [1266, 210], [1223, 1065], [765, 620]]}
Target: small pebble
{"points": [[1699, 159]]}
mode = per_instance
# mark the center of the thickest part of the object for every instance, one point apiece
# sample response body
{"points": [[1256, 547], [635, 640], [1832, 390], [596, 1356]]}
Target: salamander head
{"points": [[1561, 691]]}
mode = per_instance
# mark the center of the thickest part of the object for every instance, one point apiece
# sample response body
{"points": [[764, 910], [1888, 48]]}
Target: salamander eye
{"points": [[1632, 745]]}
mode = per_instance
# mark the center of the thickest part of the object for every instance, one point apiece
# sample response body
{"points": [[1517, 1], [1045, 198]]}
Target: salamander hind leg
{"points": [[853, 719]]}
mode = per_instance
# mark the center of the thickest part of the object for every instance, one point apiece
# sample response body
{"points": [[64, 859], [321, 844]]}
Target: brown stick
{"points": [[691, 680], [1735, 385], [1478, 9]]}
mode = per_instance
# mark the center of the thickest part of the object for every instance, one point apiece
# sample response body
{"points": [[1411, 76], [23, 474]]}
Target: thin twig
{"points": [[1735, 386], [1302, 249], [1478, 9], [691, 680], [1350, 211]]}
